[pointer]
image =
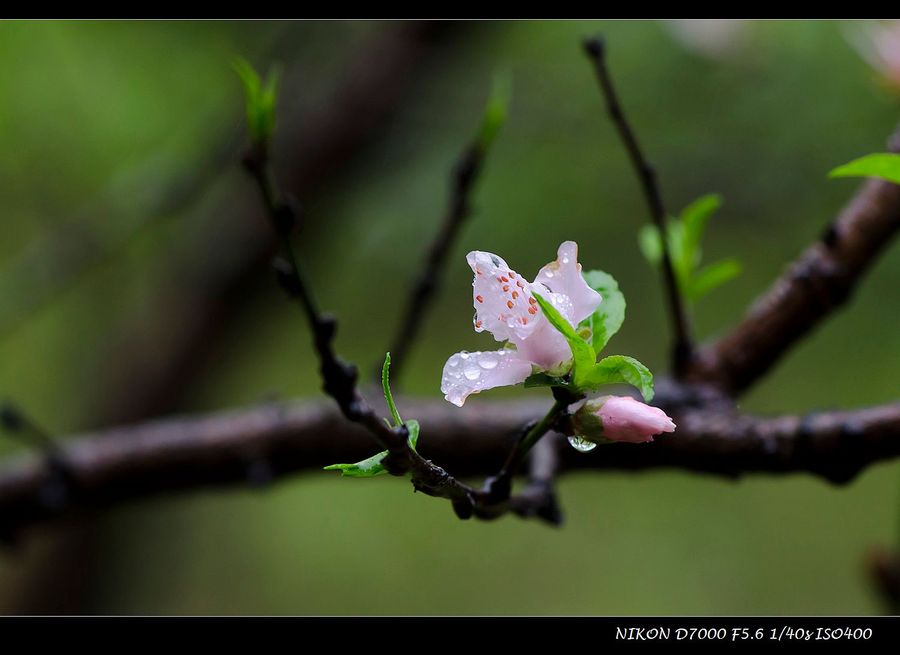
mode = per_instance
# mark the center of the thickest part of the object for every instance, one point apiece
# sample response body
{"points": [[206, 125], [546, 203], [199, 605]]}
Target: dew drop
{"points": [[472, 373], [487, 362], [581, 444]]}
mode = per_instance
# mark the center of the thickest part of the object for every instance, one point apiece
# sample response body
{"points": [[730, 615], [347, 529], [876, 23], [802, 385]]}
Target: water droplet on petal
{"points": [[487, 362], [472, 373], [581, 444]]}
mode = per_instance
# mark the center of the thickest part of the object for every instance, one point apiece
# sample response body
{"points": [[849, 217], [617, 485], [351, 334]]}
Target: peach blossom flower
{"points": [[505, 307]]}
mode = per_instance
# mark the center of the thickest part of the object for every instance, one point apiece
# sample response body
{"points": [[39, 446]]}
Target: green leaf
{"points": [[609, 316], [259, 98], [495, 111], [367, 468], [694, 218], [684, 239], [652, 248], [619, 369], [386, 387], [885, 165], [583, 355], [650, 244], [681, 262], [371, 466], [412, 427], [713, 276]]}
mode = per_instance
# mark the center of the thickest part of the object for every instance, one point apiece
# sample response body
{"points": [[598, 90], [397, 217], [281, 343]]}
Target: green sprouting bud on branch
{"points": [[495, 112], [684, 239], [259, 97]]}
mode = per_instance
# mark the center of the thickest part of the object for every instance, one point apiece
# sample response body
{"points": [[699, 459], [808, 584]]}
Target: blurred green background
{"points": [[102, 122]]}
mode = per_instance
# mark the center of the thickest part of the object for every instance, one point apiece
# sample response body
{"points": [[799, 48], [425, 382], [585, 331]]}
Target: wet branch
{"points": [[112, 467], [595, 48]]}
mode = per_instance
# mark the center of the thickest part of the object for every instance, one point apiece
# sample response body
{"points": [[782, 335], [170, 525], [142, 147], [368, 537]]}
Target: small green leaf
{"points": [[694, 218], [371, 466], [609, 316], [650, 244], [367, 468], [681, 261], [712, 276], [386, 387], [885, 165], [495, 111], [583, 355], [412, 426], [684, 239], [619, 369], [259, 98]]}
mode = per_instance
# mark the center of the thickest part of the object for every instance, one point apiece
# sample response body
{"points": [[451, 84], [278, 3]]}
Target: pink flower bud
{"points": [[620, 418]]}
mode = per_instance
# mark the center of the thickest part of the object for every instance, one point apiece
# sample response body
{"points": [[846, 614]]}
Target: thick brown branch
{"points": [[811, 289], [179, 454]]}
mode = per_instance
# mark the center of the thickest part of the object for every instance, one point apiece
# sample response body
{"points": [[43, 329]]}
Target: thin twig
{"points": [[538, 498], [426, 286], [499, 486], [340, 378], [682, 347]]}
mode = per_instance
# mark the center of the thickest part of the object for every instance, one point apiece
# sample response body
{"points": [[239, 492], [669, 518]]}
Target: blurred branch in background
{"points": [[179, 454], [462, 181], [138, 198], [816, 285]]}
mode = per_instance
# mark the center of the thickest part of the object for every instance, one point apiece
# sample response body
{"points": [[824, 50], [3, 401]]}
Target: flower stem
{"points": [[498, 488]]}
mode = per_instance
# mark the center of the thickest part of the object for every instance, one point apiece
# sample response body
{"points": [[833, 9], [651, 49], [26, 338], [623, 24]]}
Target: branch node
{"points": [[464, 507], [287, 278]]}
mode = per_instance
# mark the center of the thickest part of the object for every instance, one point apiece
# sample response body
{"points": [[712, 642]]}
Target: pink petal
{"points": [[545, 346], [563, 276], [467, 373], [502, 298]]}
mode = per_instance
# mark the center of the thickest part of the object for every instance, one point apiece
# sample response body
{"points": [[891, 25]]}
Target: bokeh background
{"points": [[125, 293]]}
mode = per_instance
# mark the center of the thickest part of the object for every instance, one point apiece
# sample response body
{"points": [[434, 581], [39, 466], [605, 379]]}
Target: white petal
{"points": [[503, 302], [564, 277], [467, 373]]}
